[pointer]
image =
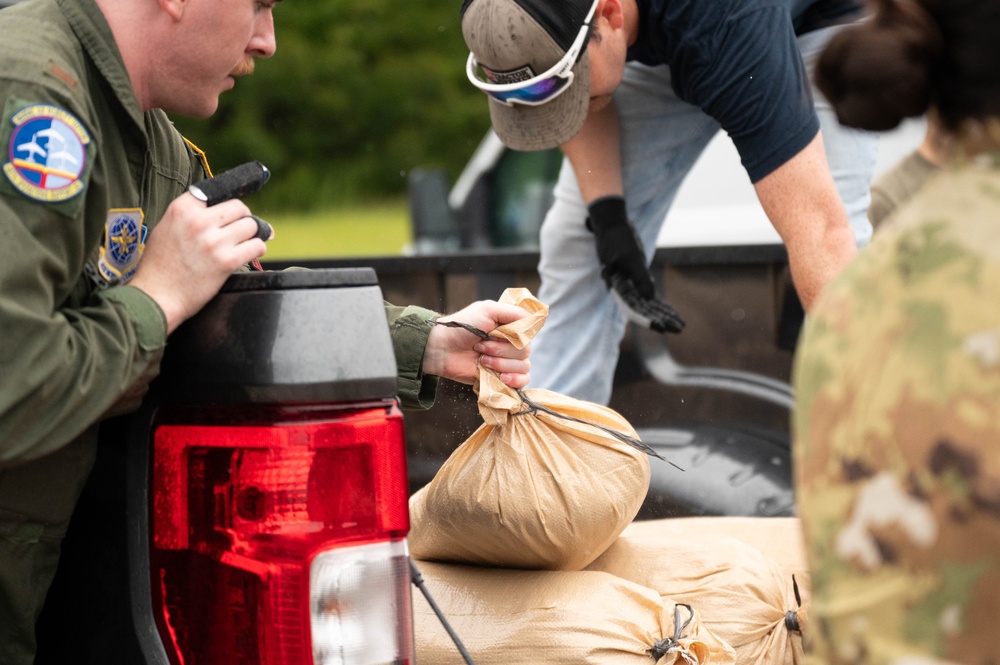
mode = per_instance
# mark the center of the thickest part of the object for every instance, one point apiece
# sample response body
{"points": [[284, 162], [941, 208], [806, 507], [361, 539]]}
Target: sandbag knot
{"points": [[668, 644], [792, 621]]}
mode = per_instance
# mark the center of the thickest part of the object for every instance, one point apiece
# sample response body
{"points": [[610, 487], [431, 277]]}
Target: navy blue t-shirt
{"points": [[739, 62]]}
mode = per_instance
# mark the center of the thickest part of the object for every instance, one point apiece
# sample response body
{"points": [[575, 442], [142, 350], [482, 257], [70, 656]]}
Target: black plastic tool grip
{"points": [[235, 183]]}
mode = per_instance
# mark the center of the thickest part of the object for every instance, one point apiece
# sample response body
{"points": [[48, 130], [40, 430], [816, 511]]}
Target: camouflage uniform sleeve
{"points": [[896, 425], [409, 328]]}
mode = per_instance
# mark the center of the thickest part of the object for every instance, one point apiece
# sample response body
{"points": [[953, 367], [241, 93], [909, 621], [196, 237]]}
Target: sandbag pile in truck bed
{"points": [[526, 541], [544, 617]]}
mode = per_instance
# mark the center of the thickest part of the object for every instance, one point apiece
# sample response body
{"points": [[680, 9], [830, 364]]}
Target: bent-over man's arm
{"points": [[595, 154], [802, 203]]}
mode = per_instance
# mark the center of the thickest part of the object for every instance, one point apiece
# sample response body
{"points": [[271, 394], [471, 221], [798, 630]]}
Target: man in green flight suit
{"points": [[105, 253]]}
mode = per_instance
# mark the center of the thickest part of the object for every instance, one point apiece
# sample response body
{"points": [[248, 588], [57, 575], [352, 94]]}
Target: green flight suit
{"points": [[85, 175], [409, 327], [897, 435], [73, 351]]}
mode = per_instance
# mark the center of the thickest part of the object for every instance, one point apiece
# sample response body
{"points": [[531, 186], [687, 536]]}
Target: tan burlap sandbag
{"points": [[530, 489], [741, 594], [780, 538], [504, 617]]}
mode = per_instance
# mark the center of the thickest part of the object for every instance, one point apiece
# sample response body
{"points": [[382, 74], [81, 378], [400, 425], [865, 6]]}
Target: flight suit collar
{"points": [[94, 33]]}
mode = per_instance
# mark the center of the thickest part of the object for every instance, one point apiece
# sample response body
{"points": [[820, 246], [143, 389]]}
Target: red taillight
{"points": [[242, 507]]}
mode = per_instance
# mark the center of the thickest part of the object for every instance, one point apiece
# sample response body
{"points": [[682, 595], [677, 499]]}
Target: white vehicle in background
{"points": [[716, 204], [706, 213]]}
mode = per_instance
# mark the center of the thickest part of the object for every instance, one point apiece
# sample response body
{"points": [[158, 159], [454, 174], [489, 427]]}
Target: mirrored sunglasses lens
{"points": [[536, 93]]}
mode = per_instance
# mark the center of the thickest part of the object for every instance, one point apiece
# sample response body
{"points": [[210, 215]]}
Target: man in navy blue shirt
{"points": [[632, 91]]}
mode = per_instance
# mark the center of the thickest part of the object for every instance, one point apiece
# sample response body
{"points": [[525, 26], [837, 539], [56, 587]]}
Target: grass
{"points": [[365, 230]]}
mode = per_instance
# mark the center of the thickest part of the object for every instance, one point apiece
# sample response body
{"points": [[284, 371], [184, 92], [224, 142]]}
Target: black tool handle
{"points": [[235, 183]]}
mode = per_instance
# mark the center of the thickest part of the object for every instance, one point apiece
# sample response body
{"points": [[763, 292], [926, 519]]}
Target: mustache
{"points": [[244, 68]]}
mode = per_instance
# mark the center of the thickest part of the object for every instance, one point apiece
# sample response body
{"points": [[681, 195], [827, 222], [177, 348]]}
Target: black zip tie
{"points": [[661, 648], [792, 616], [464, 326], [418, 581], [792, 621], [534, 406]]}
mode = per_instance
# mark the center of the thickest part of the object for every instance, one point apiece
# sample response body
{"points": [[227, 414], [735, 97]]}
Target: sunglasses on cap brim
{"points": [[538, 89]]}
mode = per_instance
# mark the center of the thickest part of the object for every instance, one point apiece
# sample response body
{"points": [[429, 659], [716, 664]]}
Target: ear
{"points": [[611, 11], [173, 8]]}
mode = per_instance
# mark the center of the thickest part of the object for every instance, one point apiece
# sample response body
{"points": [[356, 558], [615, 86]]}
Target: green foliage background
{"points": [[359, 93]]}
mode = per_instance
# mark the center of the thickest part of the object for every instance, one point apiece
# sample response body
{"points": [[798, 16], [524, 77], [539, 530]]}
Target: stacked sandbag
{"points": [[521, 537], [546, 483], [740, 593], [779, 538], [557, 618]]}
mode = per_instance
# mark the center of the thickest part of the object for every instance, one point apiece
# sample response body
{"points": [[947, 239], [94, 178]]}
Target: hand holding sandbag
{"points": [[536, 488]]}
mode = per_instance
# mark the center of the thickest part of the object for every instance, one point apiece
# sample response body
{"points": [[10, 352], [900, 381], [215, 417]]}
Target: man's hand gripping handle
{"points": [[236, 183]]}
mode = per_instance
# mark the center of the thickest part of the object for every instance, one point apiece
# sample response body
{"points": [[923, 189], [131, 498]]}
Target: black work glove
{"points": [[624, 268], [618, 247]]}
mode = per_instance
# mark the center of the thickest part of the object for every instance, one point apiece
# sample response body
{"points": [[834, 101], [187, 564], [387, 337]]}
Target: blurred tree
{"points": [[358, 94]]}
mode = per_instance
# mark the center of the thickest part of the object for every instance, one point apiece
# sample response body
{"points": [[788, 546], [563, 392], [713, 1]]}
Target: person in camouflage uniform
{"points": [[897, 425]]}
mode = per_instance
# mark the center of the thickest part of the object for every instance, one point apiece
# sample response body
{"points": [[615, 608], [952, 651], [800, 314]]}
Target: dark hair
{"points": [[912, 54]]}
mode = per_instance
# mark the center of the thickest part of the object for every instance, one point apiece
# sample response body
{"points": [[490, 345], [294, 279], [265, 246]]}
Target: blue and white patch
{"points": [[124, 243], [47, 153]]}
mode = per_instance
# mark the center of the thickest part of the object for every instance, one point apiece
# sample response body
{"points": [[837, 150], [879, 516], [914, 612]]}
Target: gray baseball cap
{"points": [[513, 43]]}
